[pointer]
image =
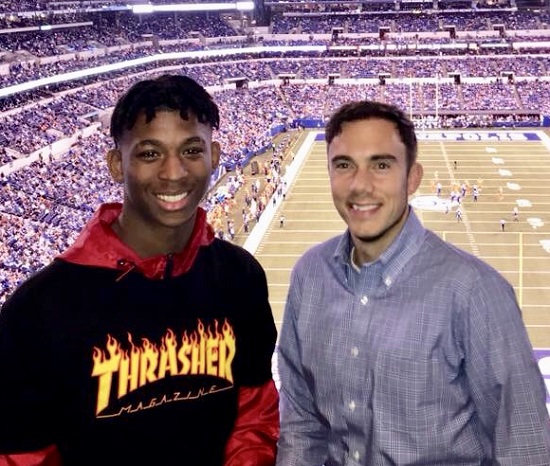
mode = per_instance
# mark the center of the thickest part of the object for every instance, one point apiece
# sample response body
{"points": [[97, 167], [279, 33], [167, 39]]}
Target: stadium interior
{"points": [[474, 75]]}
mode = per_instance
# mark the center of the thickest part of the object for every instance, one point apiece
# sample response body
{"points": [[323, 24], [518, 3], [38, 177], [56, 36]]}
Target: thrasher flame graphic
{"points": [[205, 351]]}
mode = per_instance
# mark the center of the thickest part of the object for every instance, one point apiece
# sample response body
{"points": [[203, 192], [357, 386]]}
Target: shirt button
{"points": [[355, 351], [364, 300], [351, 405], [356, 455], [387, 281]]}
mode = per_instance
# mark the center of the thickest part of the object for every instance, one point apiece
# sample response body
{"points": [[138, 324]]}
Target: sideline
{"points": [[256, 235]]}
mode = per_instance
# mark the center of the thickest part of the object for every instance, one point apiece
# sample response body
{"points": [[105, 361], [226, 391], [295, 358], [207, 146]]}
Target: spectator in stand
{"points": [[148, 341]]}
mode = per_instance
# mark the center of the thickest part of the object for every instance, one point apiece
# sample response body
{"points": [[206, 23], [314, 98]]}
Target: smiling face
{"points": [[165, 166], [370, 183]]}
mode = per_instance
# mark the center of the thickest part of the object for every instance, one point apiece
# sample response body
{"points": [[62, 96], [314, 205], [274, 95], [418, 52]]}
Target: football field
{"points": [[510, 169]]}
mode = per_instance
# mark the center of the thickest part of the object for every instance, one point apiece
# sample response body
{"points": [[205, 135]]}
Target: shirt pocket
{"points": [[407, 391]]}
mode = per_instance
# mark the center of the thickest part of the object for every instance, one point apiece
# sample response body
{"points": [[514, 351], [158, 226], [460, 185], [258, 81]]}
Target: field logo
{"points": [[543, 360], [535, 222], [433, 203], [478, 136], [545, 243]]}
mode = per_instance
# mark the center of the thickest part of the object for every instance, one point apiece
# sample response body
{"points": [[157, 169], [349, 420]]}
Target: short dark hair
{"points": [[366, 109], [172, 92]]}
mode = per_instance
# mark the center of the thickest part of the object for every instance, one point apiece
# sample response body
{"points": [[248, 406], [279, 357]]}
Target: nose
{"points": [[173, 167], [362, 181]]}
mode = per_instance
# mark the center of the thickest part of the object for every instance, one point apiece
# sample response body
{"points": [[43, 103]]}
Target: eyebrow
{"points": [[157, 142], [383, 157], [372, 158]]}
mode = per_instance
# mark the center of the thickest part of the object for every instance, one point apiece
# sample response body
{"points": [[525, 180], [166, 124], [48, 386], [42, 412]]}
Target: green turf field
{"points": [[508, 172]]}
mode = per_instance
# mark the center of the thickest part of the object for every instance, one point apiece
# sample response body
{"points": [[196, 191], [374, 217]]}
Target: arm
{"points": [[304, 435], [46, 457], [253, 441], [25, 398], [505, 381]]}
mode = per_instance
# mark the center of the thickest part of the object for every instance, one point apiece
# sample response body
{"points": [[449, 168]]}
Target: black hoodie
{"points": [[107, 358]]}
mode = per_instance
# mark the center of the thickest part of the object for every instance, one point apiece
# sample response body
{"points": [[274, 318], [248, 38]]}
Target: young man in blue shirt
{"points": [[397, 348]]}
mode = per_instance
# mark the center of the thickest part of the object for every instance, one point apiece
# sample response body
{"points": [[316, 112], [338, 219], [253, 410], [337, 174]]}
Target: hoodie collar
{"points": [[99, 246]]}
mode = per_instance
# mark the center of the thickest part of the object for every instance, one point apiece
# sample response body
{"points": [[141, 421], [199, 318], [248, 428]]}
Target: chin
{"points": [[175, 221], [368, 235], [365, 237], [366, 231]]}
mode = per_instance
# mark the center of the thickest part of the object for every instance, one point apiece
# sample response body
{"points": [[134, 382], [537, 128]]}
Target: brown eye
{"points": [[382, 166], [193, 152], [148, 155]]}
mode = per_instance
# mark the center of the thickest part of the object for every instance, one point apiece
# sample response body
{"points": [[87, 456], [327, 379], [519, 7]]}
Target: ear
{"points": [[114, 163], [414, 178], [216, 153]]}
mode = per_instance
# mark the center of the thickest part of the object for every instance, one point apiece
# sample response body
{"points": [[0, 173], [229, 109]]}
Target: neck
{"points": [[153, 243]]}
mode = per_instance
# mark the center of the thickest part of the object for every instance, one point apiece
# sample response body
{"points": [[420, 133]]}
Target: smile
{"points": [[172, 197], [364, 208]]}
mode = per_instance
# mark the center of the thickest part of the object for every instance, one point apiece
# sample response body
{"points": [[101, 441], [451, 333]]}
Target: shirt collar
{"points": [[394, 258]]}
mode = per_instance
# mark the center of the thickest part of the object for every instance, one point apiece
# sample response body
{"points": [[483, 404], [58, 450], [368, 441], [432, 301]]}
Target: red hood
{"points": [[99, 246]]}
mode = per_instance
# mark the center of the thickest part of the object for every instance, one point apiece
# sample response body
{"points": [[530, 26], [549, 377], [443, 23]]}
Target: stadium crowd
{"points": [[46, 203]]}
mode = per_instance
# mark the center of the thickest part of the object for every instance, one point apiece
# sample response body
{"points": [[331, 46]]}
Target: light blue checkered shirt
{"points": [[420, 358]]}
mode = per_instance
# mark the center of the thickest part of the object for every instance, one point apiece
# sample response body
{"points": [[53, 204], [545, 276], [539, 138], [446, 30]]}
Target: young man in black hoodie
{"points": [[148, 341]]}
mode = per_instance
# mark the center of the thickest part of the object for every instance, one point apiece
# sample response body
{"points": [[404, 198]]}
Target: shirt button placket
{"points": [[352, 405]]}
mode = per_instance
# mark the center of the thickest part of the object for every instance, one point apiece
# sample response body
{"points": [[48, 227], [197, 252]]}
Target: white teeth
{"points": [[363, 208], [172, 197]]}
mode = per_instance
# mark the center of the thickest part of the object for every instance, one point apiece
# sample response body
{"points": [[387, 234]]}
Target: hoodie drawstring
{"points": [[128, 267]]}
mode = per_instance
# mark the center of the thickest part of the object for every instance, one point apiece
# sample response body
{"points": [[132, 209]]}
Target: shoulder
{"points": [[325, 249], [27, 300], [227, 255], [229, 249], [55, 285], [449, 262], [319, 255], [42, 280]]}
